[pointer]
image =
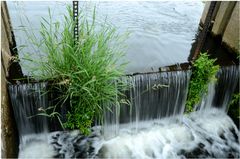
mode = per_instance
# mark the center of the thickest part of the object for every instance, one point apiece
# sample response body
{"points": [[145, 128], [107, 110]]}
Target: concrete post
{"points": [[225, 23], [232, 33], [222, 17], [9, 137]]}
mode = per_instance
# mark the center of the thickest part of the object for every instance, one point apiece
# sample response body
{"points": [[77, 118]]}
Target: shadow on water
{"points": [[215, 47]]}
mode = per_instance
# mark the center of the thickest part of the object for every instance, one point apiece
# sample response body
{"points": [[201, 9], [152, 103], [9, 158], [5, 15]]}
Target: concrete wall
{"points": [[231, 34], [9, 141], [205, 11], [222, 18], [225, 22]]}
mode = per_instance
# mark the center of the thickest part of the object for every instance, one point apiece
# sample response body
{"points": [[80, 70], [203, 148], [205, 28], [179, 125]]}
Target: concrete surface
{"points": [[222, 17], [225, 23], [232, 34], [9, 139]]}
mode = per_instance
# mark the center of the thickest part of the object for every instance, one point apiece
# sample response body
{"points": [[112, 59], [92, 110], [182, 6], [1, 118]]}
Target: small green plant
{"points": [[234, 106], [86, 71], [203, 72], [235, 100]]}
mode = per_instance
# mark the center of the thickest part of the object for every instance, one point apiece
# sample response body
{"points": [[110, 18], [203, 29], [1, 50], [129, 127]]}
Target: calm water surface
{"points": [[161, 32]]}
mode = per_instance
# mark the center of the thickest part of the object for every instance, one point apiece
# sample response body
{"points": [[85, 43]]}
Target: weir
{"points": [[27, 101], [220, 91], [155, 117], [151, 96], [152, 124]]}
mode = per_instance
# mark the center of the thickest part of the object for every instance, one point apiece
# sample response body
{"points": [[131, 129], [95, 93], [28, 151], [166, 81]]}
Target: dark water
{"points": [[161, 32]]}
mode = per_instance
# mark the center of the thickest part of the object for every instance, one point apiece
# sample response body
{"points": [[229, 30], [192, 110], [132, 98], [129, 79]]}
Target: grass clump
{"points": [[86, 71], [234, 108], [204, 71], [234, 105]]}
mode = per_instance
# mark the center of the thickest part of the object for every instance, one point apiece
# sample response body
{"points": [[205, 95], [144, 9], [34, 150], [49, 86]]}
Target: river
{"points": [[161, 33]]}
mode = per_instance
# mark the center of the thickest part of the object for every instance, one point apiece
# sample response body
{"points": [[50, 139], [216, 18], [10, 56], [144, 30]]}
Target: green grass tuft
{"points": [[86, 72], [204, 71]]}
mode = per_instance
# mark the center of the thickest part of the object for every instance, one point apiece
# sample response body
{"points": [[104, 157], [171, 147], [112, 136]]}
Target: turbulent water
{"points": [[152, 127], [161, 33], [202, 134]]}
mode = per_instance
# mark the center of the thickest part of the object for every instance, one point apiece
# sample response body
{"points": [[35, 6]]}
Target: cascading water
{"points": [[152, 127], [27, 101], [210, 134], [152, 96], [228, 78], [158, 95], [220, 92]]}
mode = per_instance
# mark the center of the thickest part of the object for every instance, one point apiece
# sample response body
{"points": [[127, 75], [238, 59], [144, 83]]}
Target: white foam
{"points": [[206, 134], [37, 149], [167, 139]]}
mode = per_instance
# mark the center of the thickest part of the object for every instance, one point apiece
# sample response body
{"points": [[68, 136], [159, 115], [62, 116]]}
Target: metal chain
{"points": [[75, 19]]}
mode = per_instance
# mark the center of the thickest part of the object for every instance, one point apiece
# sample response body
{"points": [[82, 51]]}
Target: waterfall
{"points": [[163, 94], [27, 101], [152, 126], [220, 91], [151, 96], [157, 95], [228, 78]]}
